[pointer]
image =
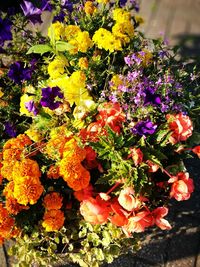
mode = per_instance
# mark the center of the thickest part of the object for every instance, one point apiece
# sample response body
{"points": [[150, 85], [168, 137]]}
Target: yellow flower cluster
{"points": [[71, 169], [57, 67], [121, 34], [89, 8], [56, 30]]}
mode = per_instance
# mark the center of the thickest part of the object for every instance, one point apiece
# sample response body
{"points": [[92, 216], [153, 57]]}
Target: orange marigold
{"points": [[7, 169], [81, 182], [53, 172], [13, 207], [71, 149], [53, 220], [6, 223], [8, 189], [28, 192], [25, 168], [53, 201], [55, 146]]}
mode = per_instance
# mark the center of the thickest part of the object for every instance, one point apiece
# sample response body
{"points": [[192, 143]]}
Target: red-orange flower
{"points": [[158, 215], [152, 166], [138, 222], [84, 193], [53, 220], [53, 201], [95, 211], [120, 216], [53, 172], [181, 127], [182, 186], [196, 150], [127, 199]]}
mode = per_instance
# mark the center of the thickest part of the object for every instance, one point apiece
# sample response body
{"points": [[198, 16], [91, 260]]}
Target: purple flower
{"points": [[49, 97], [144, 128], [10, 129], [31, 107], [5, 31], [122, 2], [18, 73], [31, 12], [151, 97]]}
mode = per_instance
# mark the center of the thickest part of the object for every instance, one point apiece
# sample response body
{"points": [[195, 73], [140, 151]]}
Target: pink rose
{"points": [[181, 127], [182, 186]]}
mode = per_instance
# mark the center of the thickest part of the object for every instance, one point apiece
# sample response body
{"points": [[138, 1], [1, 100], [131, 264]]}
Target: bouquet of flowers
{"points": [[96, 120]]}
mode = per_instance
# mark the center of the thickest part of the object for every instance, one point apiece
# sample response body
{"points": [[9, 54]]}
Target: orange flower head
{"points": [[53, 172], [28, 192], [53, 220], [26, 168], [196, 150], [7, 169], [8, 189], [13, 207], [89, 8], [71, 149], [55, 146], [53, 201]]}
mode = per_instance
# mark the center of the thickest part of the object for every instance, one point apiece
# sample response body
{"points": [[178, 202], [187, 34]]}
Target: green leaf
{"points": [[62, 46], [40, 49]]}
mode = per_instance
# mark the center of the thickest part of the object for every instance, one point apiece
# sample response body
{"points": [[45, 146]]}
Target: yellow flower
{"points": [[121, 15], [56, 31], [81, 43], [115, 82], [124, 31], [23, 100], [71, 31], [83, 63], [34, 134], [103, 1], [57, 67]]}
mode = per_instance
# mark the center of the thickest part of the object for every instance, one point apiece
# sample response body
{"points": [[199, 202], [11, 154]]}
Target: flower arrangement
{"points": [[96, 120]]}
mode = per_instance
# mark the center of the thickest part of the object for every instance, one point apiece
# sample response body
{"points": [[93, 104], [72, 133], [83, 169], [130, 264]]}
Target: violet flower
{"points": [[18, 73], [31, 107], [10, 129], [5, 31], [144, 128], [49, 97], [151, 97]]}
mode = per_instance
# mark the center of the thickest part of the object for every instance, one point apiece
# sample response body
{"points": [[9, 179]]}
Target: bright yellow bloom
{"points": [[81, 43], [34, 134], [57, 67], [116, 81], [103, 1], [71, 31], [124, 31], [121, 15], [56, 30]]}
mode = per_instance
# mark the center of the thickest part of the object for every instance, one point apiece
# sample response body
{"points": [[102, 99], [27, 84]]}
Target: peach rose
{"points": [[158, 215], [182, 186], [95, 211], [181, 127]]}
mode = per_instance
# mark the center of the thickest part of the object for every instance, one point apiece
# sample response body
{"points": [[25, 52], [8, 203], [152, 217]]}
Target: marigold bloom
{"points": [[7, 169], [83, 63], [25, 168], [55, 146], [158, 214], [80, 182], [28, 192], [89, 8], [71, 149], [182, 186], [181, 127], [53, 172], [56, 29], [95, 211], [57, 67], [53, 220], [13, 207], [53, 201], [6, 223]]}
